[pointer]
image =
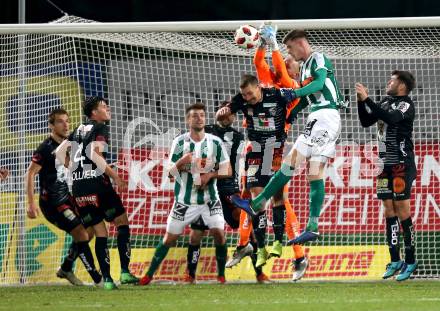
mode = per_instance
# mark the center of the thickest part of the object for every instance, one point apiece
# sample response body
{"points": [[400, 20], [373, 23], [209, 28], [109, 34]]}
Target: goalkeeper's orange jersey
{"points": [[278, 78]]}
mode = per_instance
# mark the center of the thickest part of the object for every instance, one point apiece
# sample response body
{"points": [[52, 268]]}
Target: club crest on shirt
{"points": [[401, 106]]}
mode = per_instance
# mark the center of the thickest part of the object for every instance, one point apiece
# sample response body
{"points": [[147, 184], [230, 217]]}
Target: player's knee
{"points": [[121, 220], [170, 240], [79, 234], [219, 236], [195, 237]]}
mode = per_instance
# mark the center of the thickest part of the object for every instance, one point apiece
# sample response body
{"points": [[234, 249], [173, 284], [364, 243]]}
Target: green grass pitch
{"points": [[326, 296]]}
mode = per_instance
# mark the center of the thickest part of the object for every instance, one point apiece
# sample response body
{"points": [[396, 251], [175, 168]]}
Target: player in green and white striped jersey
{"points": [[319, 90], [197, 159]]}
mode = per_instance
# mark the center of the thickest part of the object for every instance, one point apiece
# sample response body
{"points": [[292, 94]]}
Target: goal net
{"points": [[149, 76]]}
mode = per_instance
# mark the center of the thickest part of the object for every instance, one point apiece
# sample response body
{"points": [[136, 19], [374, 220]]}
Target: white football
{"points": [[246, 37]]}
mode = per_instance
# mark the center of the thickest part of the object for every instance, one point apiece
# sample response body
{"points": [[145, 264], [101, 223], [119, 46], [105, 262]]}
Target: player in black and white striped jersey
{"points": [[394, 116]]}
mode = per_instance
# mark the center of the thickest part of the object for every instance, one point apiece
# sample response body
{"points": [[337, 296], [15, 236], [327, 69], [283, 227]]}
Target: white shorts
{"points": [[182, 215], [318, 140]]}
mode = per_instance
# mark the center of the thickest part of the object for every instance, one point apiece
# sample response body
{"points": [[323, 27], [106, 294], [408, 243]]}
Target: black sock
{"points": [[193, 259], [101, 250], [279, 220], [85, 254], [408, 238], [124, 247], [72, 254], [393, 237], [221, 252], [258, 270], [259, 222]]}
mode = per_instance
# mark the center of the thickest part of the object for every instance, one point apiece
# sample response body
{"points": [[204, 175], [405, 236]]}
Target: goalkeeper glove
{"points": [[268, 33], [288, 94], [261, 43]]}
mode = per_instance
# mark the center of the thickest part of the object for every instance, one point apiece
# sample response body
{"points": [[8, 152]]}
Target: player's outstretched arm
{"points": [[264, 74], [33, 169], [316, 85], [281, 72]]}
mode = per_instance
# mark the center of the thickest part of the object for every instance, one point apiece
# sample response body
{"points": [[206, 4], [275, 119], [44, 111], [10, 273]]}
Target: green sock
{"points": [[221, 252], [159, 255], [276, 183], [317, 193]]}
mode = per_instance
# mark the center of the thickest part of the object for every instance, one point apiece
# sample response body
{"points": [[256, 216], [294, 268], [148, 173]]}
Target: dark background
{"points": [[40, 11]]}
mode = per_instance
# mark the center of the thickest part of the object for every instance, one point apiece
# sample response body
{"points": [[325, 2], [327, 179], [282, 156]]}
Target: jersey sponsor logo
{"points": [[87, 200], [215, 208], [308, 128], [399, 185], [402, 148], [320, 138], [179, 211], [268, 105], [381, 131], [263, 123]]}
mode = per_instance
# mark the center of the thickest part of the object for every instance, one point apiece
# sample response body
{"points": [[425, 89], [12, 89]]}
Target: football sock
{"points": [[72, 254], [85, 254], [159, 254], [276, 183], [221, 252], [124, 248], [244, 229], [279, 219], [258, 270], [193, 259], [102, 254], [259, 223], [408, 238], [393, 237], [317, 193], [292, 229]]}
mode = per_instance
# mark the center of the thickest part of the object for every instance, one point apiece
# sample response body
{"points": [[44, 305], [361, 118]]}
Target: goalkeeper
{"points": [[317, 142], [284, 75]]}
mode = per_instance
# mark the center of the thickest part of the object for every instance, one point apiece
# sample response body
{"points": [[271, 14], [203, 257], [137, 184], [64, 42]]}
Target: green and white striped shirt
{"points": [[329, 96], [208, 154]]}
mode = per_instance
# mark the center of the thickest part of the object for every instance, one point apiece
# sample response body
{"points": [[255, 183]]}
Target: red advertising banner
{"points": [[350, 205]]}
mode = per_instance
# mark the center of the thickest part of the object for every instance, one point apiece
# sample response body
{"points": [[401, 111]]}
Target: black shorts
{"points": [[64, 216], [96, 207], [231, 213], [395, 182], [260, 167]]}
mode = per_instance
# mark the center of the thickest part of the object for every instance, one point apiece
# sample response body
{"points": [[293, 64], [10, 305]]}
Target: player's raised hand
{"points": [[33, 211], [268, 33], [361, 92], [120, 183], [204, 180], [4, 173], [222, 113]]}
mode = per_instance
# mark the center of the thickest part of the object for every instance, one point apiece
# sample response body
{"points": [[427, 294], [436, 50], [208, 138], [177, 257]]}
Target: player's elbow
{"points": [[364, 124]]}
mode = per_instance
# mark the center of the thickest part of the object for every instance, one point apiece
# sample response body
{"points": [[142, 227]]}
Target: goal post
{"points": [[150, 72]]}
